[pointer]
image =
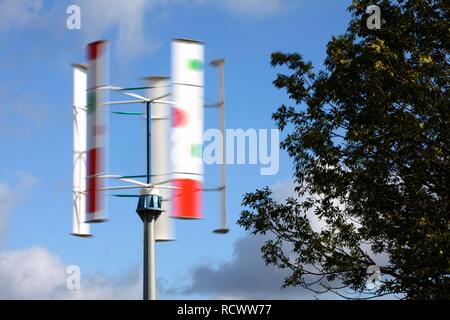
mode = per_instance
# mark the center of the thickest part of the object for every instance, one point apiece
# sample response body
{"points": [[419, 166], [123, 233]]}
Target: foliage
{"points": [[369, 138]]}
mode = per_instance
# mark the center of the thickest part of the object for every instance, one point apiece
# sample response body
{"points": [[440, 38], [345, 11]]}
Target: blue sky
{"points": [[36, 50]]}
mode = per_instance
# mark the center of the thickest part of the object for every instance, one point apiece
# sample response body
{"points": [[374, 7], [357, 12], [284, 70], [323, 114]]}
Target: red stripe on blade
{"points": [[187, 199], [95, 49], [93, 183], [179, 117]]}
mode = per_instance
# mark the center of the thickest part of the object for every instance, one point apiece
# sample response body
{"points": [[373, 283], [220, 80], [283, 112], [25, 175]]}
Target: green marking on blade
{"points": [[91, 102], [196, 150], [195, 64], [128, 113]]}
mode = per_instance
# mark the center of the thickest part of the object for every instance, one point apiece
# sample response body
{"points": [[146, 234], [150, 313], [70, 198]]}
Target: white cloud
{"points": [[126, 287], [25, 180], [245, 275], [248, 8], [36, 273], [30, 273], [19, 118], [285, 189], [19, 13], [126, 17], [11, 196], [6, 205], [257, 8]]}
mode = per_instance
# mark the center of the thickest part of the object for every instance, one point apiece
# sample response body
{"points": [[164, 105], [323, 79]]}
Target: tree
{"points": [[369, 137]]}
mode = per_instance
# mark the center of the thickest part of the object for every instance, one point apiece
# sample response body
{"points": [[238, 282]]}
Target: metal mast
{"points": [[219, 64], [149, 208]]}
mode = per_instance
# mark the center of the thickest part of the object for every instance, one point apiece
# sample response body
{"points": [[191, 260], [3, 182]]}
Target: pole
{"points": [[152, 267], [149, 140], [222, 128], [149, 258], [149, 230], [219, 64]]}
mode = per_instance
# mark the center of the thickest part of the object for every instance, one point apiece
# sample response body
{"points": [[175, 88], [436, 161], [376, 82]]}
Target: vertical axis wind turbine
{"points": [[174, 167]]}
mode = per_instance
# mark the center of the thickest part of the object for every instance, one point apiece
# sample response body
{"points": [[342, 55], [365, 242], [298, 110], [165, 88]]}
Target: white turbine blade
{"points": [[108, 176], [97, 128], [139, 183], [187, 130], [165, 102], [112, 88], [166, 187], [120, 102], [120, 89], [134, 95], [160, 97], [160, 135], [124, 187], [79, 227]]}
